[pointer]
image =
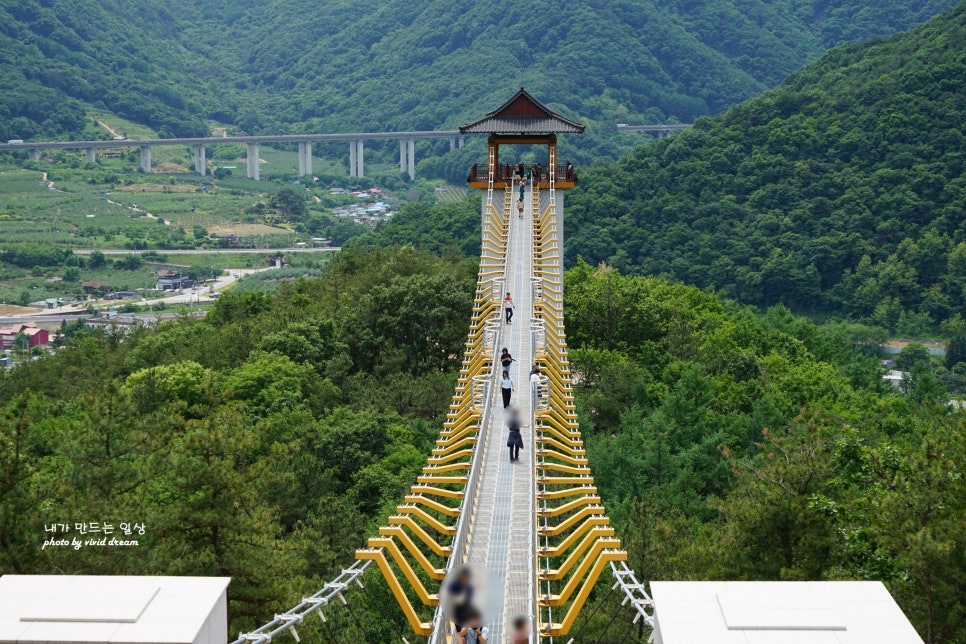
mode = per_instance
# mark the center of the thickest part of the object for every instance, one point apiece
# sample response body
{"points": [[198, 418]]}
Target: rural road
{"points": [[191, 296], [58, 318], [214, 251]]}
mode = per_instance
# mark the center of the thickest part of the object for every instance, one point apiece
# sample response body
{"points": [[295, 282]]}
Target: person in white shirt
{"points": [[506, 384], [535, 379]]}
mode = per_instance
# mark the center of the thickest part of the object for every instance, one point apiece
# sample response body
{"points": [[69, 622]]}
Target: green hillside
{"points": [[842, 190], [126, 57], [733, 445], [376, 64], [267, 440]]}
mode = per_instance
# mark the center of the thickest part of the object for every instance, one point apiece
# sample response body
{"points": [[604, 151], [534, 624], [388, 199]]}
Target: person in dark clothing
{"points": [[506, 386], [505, 358], [461, 593], [514, 439], [522, 188]]}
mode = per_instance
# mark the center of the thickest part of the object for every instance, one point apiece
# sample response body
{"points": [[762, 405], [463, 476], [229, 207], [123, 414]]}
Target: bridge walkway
{"points": [[502, 534]]}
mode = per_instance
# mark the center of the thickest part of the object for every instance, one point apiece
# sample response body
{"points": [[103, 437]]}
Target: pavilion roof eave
{"points": [[523, 114]]}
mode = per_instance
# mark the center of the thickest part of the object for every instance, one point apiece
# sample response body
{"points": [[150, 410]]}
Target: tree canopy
{"points": [[413, 64], [839, 192], [730, 444]]}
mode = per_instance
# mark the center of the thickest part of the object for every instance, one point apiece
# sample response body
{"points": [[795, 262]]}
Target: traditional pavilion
{"points": [[522, 120]]}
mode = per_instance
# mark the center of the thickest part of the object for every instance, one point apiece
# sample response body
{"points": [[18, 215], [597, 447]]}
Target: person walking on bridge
{"points": [[520, 208], [506, 386], [521, 630], [523, 187], [506, 359], [535, 378], [475, 632], [508, 308], [460, 595], [514, 439]]}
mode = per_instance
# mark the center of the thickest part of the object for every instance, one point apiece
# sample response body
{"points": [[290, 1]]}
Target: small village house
{"points": [[35, 335]]}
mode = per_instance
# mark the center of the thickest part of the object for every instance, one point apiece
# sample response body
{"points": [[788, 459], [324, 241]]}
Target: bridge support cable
{"points": [[286, 623]]}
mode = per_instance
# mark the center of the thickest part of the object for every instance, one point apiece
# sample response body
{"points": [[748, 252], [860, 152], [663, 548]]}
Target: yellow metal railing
{"points": [[425, 538], [575, 540]]}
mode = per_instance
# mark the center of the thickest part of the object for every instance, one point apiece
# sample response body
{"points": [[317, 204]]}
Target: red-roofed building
{"points": [[35, 335]]}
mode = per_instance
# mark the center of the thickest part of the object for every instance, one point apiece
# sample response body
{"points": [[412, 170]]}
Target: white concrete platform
{"points": [[113, 609], [771, 612]]}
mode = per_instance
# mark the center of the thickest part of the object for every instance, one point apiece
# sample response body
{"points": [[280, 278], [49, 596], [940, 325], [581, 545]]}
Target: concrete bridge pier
{"points": [[34, 155], [201, 167], [407, 157], [461, 140], [352, 159], [252, 160], [91, 155], [360, 170], [146, 159], [305, 158], [411, 144], [452, 144]]}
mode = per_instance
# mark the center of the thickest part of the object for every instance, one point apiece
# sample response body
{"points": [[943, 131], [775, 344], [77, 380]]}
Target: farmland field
{"points": [[60, 204]]}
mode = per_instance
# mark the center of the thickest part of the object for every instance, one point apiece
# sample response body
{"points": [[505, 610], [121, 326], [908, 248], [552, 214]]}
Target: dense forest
{"points": [[839, 192], [414, 64], [58, 59], [266, 441], [731, 444]]}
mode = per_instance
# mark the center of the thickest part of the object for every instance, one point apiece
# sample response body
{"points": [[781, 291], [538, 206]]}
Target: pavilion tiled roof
{"points": [[523, 114]]}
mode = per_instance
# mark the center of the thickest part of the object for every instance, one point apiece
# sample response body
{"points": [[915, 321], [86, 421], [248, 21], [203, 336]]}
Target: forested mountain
{"points": [[400, 64], [57, 58], [730, 444], [841, 191], [266, 441]]}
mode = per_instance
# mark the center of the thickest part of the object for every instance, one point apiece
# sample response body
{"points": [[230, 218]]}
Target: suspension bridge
{"points": [[535, 527]]}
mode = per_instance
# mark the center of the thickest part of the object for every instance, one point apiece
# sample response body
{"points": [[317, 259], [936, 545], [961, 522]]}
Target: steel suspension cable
{"points": [[592, 613], [379, 608], [359, 624], [607, 628], [630, 627]]}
